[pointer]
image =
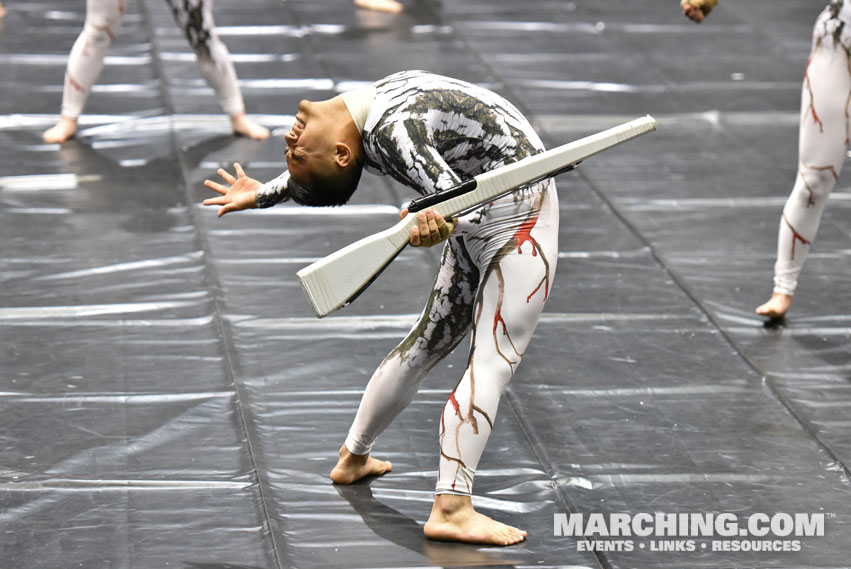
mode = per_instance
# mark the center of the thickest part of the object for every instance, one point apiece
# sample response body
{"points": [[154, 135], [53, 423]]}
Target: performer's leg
{"points": [[511, 296], [85, 63], [823, 140], [195, 17], [444, 322]]}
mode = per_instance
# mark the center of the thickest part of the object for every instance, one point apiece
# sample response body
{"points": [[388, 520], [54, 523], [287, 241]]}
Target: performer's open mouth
{"points": [[298, 126]]}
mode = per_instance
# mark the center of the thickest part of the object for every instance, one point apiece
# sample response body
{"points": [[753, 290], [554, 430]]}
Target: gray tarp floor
{"points": [[168, 399]]}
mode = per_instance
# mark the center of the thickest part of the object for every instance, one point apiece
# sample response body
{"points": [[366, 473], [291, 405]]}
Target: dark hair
{"points": [[327, 188]]}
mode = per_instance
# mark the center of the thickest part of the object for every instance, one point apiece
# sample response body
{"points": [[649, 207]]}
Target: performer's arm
{"points": [[273, 191]]}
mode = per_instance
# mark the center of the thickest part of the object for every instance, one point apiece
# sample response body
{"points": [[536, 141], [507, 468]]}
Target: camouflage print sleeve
{"points": [[273, 191], [408, 155]]}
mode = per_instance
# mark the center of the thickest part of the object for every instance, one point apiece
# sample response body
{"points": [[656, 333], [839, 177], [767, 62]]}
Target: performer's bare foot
{"points": [[352, 467], [61, 131], [389, 6], [454, 519], [776, 306], [244, 126]]}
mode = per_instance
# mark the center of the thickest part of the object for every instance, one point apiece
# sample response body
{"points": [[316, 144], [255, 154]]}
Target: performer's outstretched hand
{"points": [[239, 194], [431, 228], [697, 10]]}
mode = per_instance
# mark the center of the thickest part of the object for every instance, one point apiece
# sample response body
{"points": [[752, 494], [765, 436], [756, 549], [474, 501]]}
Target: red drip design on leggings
{"points": [[107, 31], [498, 319], [443, 435], [75, 85], [812, 107], [455, 403], [523, 235], [795, 237], [811, 201]]}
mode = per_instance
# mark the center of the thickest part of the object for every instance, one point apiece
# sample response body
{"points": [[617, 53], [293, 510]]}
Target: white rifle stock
{"points": [[336, 280]]}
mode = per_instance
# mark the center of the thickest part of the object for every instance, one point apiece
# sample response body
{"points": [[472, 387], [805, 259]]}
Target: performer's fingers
{"points": [[415, 236], [227, 209], [240, 173], [697, 10], [443, 227], [432, 224], [215, 187], [216, 201], [693, 13], [404, 213], [226, 176], [422, 226]]}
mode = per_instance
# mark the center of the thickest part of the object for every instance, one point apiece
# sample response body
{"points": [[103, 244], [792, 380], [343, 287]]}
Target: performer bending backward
{"points": [[823, 140], [430, 132], [103, 18]]}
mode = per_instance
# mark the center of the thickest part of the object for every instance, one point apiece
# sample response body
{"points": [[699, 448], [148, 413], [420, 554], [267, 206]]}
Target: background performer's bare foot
{"points": [[389, 6], [61, 131], [352, 467], [244, 126], [776, 306], [454, 519]]}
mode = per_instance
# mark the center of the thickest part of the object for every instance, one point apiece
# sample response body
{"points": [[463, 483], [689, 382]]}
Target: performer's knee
{"points": [[97, 32]]}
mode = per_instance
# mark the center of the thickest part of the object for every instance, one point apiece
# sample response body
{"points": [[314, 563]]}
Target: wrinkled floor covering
{"points": [[170, 401]]}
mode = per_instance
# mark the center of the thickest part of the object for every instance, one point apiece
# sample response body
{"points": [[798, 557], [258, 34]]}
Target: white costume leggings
{"points": [[103, 18], [823, 140], [494, 277]]}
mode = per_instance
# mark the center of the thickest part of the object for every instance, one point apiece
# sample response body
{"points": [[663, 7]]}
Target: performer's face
{"points": [[322, 166], [307, 142]]}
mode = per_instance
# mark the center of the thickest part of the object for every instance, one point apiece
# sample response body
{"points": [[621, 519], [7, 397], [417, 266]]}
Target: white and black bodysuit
{"points": [[429, 132], [823, 140]]}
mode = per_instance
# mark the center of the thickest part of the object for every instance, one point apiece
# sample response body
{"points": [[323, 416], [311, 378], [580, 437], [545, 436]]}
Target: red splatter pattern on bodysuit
{"points": [[499, 320], [829, 168], [523, 235], [795, 237], [812, 108], [463, 420], [74, 84]]}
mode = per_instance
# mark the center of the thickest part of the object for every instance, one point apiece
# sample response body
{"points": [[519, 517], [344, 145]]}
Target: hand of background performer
{"points": [[430, 229], [239, 194], [697, 10]]}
